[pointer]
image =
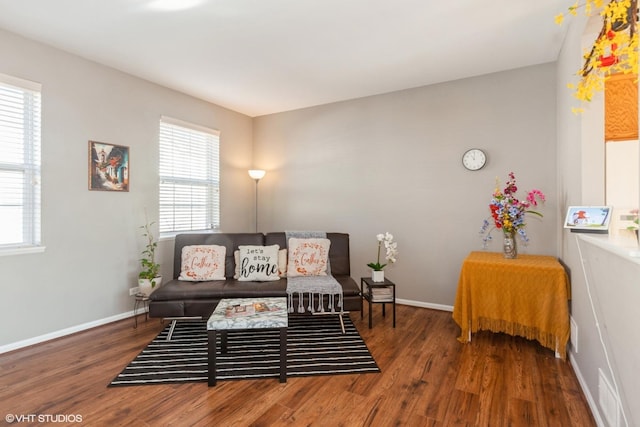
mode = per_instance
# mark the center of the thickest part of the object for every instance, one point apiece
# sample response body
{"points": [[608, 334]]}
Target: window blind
{"points": [[189, 177], [20, 110]]}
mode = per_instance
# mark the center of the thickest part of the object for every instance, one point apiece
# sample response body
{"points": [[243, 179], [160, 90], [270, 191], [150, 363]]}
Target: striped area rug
{"points": [[315, 346]]}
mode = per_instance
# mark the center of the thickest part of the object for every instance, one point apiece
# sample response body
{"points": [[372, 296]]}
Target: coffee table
{"points": [[234, 314]]}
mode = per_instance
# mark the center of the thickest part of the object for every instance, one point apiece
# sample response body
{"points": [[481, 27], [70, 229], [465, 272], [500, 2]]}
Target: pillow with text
{"points": [[202, 263], [258, 263], [308, 257]]}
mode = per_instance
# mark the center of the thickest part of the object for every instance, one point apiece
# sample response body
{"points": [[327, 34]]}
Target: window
{"points": [[19, 163], [189, 177]]}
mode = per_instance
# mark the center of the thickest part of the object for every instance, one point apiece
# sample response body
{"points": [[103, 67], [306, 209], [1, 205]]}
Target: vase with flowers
{"points": [[391, 249], [508, 215]]}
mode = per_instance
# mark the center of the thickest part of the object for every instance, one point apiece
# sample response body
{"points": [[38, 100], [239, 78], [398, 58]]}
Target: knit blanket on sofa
{"points": [[314, 287]]}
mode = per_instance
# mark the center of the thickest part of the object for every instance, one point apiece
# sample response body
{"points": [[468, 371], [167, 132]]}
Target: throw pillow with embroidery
{"points": [[201, 263], [308, 257]]}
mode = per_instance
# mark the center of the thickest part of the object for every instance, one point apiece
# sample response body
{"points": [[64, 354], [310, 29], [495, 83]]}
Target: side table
{"points": [[378, 293], [142, 300], [527, 296]]}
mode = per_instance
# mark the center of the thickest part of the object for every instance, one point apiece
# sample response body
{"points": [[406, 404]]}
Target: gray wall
{"points": [[393, 163], [92, 238], [603, 277]]}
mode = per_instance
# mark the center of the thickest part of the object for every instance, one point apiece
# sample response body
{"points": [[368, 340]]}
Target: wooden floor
{"points": [[428, 379]]}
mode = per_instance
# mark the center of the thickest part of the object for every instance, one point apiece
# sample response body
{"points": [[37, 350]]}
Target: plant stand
{"points": [[142, 300]]}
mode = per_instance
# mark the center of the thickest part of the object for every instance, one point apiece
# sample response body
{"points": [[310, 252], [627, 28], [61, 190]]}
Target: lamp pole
{"points": [[256, 175]]}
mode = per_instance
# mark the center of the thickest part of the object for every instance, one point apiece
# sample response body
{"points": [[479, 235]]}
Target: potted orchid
{"points": [[391, 248], [508, 215]]}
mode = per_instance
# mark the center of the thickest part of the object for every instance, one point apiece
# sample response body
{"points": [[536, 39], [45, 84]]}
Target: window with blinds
{"points": [[19, 163], [189, 177]]}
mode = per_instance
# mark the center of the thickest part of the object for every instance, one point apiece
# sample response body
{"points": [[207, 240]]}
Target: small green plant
{"points": [[634, 214], [635, 226], [150, 269]]}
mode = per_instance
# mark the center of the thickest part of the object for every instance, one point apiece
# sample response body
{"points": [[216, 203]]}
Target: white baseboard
{"points": [[424, 305], [61, 333], [587, 394]]}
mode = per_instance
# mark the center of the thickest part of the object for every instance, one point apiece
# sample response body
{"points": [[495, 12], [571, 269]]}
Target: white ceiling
{"points": [[265, 56]]}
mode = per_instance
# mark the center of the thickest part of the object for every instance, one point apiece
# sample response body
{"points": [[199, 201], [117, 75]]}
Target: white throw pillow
{"points": [[257, 263], [282, 263], [202, 263], [308, 257]]}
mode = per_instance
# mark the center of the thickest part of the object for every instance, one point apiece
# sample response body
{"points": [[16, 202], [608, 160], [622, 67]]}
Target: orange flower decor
{"points": [[615, 49], [508, 212]]}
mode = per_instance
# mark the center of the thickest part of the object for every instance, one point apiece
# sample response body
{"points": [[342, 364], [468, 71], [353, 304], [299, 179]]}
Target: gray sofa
{"points": [[178, 299]]}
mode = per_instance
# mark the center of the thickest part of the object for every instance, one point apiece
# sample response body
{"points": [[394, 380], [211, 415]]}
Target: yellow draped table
{"points": [[527, 296]]}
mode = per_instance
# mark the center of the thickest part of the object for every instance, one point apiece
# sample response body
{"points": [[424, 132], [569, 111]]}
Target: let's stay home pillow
{"points": [[258, 263]]}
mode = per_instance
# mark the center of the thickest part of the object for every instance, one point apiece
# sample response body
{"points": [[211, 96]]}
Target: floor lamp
{"points": [[257, 175]]}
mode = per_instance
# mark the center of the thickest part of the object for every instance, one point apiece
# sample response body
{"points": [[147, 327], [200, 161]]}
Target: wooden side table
{"points": [[378, 293]]}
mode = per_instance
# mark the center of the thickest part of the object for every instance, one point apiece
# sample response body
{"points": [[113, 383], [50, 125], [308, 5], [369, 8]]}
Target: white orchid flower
{"points": [[391, 248]]}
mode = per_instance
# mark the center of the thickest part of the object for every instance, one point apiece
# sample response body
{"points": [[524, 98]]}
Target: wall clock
{"points": [[474, 159]]}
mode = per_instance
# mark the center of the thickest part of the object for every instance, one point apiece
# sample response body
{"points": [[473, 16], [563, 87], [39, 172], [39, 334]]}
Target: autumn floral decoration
{"points": [[615, 49], [508, 212]]}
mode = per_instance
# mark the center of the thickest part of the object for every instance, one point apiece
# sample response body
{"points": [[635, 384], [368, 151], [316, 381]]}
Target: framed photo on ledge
{"points": [[108, 167], [588, 219]]}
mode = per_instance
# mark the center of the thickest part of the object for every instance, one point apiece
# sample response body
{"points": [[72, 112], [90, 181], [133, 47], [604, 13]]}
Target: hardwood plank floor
{"points": [[428, 379]]}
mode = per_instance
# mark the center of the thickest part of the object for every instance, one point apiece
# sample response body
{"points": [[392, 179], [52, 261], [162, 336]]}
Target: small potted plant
{"points": [[377, 269], [149, 276], [634, 226]]}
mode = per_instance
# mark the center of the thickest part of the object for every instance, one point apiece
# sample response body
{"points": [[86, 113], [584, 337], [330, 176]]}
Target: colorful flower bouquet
{"points": [[508, 212]]}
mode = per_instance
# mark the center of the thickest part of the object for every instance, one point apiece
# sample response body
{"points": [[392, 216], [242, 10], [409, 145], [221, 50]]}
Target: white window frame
{"points": [[20, 153], [189, 168]]}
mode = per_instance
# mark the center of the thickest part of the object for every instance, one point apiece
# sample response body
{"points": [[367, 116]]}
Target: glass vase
{"points": [[509, 248]]}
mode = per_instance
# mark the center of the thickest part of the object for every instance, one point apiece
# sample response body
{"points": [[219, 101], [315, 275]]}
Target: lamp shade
{"points": [[257, 174]]}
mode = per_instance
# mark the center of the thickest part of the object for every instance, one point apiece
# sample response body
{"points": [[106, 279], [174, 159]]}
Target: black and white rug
{"points": [[315, 346]]}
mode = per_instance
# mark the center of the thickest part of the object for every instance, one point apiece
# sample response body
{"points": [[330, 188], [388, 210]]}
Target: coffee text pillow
{"points": [[202, 262], [258, 263], [308, 257]]}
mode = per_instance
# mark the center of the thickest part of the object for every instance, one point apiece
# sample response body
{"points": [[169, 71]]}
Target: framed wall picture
{"points": [[588, 219], [108, 167]]}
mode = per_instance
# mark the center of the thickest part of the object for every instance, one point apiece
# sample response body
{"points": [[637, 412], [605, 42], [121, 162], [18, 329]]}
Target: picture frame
{"points": [[108, 167], [588, 219]]}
